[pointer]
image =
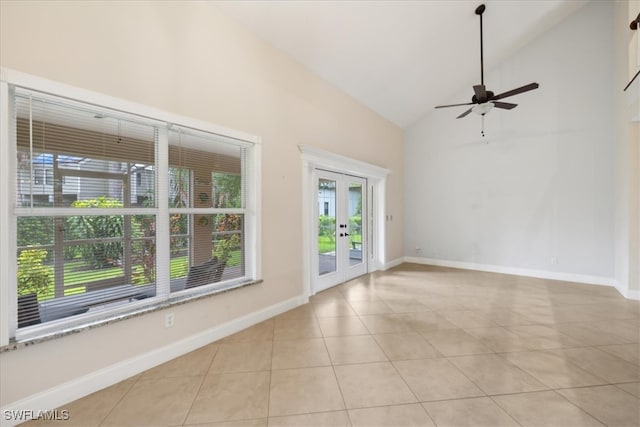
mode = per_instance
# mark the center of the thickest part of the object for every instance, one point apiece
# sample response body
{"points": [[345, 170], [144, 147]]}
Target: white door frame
{"points": [[313, 158]]}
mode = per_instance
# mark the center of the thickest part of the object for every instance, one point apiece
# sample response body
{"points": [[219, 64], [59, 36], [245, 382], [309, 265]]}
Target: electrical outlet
{"points": [[418, 250], [554, 260], [169, 320]]}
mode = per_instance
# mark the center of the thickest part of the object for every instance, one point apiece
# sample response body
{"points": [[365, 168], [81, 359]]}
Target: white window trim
{"points": [[8, 283]]}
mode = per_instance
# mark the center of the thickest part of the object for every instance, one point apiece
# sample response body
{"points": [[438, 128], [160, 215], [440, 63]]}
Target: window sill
{"points": [[171, 302]]}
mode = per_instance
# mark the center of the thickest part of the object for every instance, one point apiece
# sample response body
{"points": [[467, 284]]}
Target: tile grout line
{"points": [[204, 377], [119, 400]]}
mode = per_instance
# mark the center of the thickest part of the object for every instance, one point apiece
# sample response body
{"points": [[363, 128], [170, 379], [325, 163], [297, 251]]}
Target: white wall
{"points": [[188, 59], [541, 188]]}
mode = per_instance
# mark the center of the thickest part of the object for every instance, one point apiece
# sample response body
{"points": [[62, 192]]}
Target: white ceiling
{"points": [[399, 58]]}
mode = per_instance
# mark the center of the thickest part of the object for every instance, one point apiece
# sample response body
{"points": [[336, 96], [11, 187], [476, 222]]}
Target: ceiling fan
{"points": [[484, 100]]}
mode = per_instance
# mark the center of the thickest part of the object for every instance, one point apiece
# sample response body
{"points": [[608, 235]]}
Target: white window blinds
{"points": [[87, 209]]}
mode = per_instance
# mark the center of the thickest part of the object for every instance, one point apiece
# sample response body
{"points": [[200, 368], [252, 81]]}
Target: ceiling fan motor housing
{"points": [[475, 99]]}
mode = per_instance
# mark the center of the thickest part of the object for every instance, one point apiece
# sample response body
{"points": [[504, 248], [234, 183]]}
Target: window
{"points": [[114, 211], [206, 209]]}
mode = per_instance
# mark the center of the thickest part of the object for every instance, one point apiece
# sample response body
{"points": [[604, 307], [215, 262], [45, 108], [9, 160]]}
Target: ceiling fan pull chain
{"points": [[482, 131]]}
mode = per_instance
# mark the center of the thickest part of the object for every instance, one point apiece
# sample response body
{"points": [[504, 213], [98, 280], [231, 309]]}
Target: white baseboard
{"points": [[625, 292], [634, 295], [393, 263], [541, 274], [85, 385]]}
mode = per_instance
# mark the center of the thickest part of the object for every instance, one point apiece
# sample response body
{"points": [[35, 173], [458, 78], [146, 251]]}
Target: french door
{"points": [[340, 242]]}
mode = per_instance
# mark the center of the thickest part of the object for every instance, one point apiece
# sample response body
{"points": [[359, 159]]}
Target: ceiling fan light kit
{"points": [[484, 100]]}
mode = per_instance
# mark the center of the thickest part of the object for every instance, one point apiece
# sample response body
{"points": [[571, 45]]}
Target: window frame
{"points": [[9, 211]]}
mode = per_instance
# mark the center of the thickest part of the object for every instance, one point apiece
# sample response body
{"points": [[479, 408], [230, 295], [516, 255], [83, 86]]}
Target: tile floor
{"points": [[414, 346]]}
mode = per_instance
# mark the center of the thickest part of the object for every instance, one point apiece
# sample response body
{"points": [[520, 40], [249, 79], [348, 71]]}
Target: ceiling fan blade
{"points": [[464, 114], [504, 105], [453, 105], [481, 93], [525, 88]]}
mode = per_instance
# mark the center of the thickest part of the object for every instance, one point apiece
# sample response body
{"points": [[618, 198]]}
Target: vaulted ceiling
{"points": [[399, 58]]}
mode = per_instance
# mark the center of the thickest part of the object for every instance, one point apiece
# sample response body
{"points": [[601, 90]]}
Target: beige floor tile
{"points": [[436, 379], [155, 402], [331, 294], [288, 329], [626, 329], [604, 365], [455, 342], [574, 313], [627, 352], [372, 384], [618, 309], [406, 306], [342, 326], [632, 388], [364, 308], [232, 396], [90, 410], [412, 415], [494, 375], [610, 405], [427, 321], [242, 357], [405, 345], [333, 308], [195, 363], [440, 302], [475, 412], [499, 339], [318, 419], [262, 331], [385, 323], [300, 391], [303, 311], [588, 335], [300, 353], [354, 349], [538, 316], [545, 408], [467, 319], [504, 316], [359, 293], [553, 370], [544, 337], [260, 422]]}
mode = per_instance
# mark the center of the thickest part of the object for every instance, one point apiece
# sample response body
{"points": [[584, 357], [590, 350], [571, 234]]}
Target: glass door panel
{"points": [[327, 261], [355, 223]]}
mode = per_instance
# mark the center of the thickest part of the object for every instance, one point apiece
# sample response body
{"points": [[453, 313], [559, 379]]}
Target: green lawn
{"points": [[77, 275], [327, 244]]}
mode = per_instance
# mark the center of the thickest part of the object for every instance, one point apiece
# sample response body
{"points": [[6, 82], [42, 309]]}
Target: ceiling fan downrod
{"points": [[479, 11]]}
